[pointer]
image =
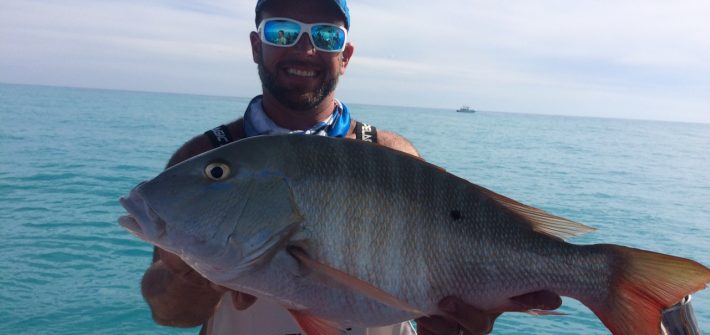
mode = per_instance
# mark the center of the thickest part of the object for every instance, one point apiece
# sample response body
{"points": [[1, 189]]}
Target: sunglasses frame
{"points": [[305, 29]]}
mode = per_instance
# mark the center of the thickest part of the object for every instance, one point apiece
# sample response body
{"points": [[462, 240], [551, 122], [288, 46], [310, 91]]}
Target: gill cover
{"points": [[265, 221]]}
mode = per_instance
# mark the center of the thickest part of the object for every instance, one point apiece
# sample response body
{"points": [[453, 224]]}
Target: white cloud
{"points": [[535, 55], [127, 45], [545, 56]]}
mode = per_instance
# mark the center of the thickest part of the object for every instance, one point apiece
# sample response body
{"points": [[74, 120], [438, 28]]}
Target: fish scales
{"points": [[332, 234], [382, 237], [354, 185], [387, 181]]}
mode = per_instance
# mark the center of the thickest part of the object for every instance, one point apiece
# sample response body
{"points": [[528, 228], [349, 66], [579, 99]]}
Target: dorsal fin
{"points": [[539, 220]]}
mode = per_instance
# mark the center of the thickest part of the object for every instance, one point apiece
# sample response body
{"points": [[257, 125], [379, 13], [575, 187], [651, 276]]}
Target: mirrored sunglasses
{"points": [[283, 32]]}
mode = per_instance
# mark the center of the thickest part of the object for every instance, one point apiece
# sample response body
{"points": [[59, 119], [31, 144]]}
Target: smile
{"points": [[301, 73]]}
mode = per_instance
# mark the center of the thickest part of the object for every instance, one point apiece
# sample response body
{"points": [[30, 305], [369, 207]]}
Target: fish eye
{"points": [[217, 171]]}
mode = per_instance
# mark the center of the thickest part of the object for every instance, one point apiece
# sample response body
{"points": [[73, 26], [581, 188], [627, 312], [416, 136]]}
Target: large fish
{"points": [[347, 233]]}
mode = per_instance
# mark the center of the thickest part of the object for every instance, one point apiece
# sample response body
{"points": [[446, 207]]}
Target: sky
{"points": [[643, 59]]}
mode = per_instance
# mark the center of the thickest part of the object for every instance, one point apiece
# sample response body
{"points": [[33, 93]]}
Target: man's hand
{"points": [[181, 297], [240, 300], [461, 318], [177, 266]]}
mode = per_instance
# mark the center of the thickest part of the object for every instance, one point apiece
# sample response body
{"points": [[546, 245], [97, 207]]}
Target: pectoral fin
{"points": [[353, 282], [312, 325], [270, 216], [271, 203]]}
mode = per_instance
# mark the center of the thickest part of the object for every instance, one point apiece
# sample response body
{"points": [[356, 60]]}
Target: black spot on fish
{"points": [[455, 214]]}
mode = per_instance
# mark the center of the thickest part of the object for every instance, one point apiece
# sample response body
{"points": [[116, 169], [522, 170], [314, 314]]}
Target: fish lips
{"points": [[142, 221]]}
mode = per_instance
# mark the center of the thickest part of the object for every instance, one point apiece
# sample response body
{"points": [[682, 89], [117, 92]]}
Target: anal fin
{"points": [[312, 325]]}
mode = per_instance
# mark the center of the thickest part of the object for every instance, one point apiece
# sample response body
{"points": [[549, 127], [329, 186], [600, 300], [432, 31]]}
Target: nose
{"points": [[304, 44]]}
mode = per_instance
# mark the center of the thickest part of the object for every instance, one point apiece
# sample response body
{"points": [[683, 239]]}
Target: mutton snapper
{"points": [[347, 233]]}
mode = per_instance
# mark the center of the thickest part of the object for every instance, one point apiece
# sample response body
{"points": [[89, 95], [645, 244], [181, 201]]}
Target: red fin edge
{"points": [[312, 325], [645, 285]]}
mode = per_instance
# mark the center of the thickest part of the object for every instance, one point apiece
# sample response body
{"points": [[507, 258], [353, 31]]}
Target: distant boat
{"points": [[465, 109]]}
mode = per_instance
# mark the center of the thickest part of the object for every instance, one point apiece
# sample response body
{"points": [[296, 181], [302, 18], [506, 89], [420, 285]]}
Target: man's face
{"points": [[300, 77]]}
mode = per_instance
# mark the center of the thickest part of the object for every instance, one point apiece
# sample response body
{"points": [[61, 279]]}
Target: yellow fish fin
{"points": [[348, 280], [645, 284], [539, 220]]}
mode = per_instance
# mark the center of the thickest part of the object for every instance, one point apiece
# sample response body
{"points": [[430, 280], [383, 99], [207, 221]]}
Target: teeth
{"points": [[301, 73]]}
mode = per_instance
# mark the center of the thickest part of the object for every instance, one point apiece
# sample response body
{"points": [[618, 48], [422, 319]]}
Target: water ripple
{"points": [[68, 268]]}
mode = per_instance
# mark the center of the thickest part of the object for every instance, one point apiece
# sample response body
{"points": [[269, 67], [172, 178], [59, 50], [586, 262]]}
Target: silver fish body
{"points": [[382, 236]]}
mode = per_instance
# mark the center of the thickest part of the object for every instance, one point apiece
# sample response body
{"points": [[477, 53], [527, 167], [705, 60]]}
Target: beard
{"points": [[294, 98]]}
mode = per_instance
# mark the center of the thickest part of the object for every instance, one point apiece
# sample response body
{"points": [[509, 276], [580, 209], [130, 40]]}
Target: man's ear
{"points": [[255, 46], [346, 55]]}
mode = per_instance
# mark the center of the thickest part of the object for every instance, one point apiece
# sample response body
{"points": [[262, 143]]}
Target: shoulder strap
{"points": [[365, 132], [219, 136]]}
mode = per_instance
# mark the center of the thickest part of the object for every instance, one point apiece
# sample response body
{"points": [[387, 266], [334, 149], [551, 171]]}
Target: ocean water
{"points": [[67, 155]]}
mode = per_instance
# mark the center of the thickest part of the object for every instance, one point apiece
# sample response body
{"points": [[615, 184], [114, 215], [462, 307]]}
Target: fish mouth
{"points": [[141, 221], [130, 223]]}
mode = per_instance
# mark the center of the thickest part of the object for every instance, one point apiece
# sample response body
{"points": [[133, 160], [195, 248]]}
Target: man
{"points": [[298, 83], [282, 38]]}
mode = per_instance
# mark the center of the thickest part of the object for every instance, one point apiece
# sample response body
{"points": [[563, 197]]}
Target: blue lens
{"points": [[328, 37], [281, 32], [285, 32]]}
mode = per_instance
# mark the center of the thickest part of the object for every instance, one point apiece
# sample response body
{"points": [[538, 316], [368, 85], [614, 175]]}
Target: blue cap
{"points": [[341, 4]]}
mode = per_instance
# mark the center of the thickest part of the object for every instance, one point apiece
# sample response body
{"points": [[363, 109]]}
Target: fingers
{"points": [[459, 316], [172, 261], [436, 325], [177, 266], [545, 300], [242, 301], [472, 320]]}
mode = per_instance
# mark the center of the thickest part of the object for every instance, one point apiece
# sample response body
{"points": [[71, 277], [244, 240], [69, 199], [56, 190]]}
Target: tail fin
{"points": [[646, 283]]}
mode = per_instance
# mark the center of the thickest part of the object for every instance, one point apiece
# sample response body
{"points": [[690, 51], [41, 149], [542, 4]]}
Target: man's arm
{"points": [[396, 141]]}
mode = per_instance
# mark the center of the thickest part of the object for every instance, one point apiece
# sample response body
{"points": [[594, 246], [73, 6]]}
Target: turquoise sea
{"points": [[67, 155]]}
